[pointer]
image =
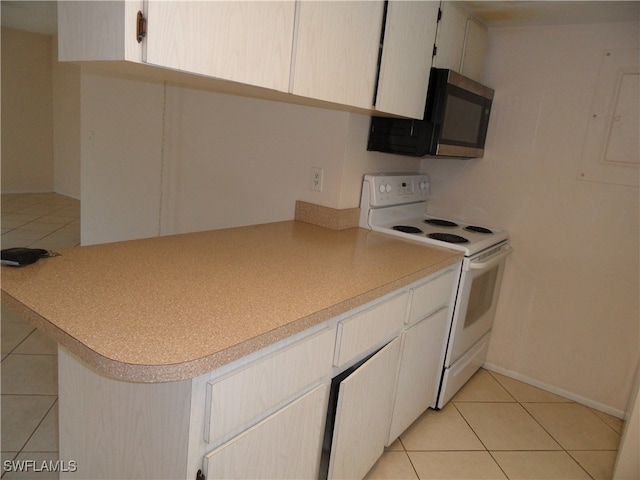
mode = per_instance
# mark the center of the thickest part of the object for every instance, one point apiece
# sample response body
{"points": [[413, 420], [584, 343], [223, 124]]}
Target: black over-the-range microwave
{"points": [[455, 121]]}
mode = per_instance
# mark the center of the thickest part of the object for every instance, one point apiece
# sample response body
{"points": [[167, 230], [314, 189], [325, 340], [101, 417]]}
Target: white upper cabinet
{"points": [[475, 50], [369, 56], [89, 30], [461, 42], [409, 36], [336, 51], [450, 37], [247, 42], [339, 56]]}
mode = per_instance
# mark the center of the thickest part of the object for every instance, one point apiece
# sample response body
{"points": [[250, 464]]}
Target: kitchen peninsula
{"points": [[160, 337]]}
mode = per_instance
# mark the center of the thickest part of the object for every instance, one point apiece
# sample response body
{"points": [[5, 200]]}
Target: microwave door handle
{"points": [[492, 260]]}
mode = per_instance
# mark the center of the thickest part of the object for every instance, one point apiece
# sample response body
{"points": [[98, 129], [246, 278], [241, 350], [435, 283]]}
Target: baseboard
{"points": [[23, 192], [66, 194], [20, 192], [558, 391]]}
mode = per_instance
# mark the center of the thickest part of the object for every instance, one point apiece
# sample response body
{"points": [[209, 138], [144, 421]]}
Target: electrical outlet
{"points": [[317, 174]]}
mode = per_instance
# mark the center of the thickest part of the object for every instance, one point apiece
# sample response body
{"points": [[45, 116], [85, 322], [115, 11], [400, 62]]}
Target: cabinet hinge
{"points": [[439, 14], [200, 475], [435, 51], [141, 27]]}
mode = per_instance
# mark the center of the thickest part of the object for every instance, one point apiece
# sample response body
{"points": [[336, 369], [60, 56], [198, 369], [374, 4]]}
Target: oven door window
{"points": [[481, 295]]}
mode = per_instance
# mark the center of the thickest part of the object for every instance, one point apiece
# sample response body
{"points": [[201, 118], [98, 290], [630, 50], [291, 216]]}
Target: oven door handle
{"points": [[493, 260]]}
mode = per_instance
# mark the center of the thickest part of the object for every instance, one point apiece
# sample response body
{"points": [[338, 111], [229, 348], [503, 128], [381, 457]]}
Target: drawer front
{"points": [[242, 398], [367, 330], [286, 444], [432, 296]]}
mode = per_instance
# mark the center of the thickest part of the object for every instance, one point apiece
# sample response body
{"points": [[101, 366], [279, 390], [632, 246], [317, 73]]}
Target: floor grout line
{"points": [[20, 343]]}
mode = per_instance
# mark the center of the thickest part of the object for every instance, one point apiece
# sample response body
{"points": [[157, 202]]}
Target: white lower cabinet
{"points": [[363, 413], [430, 297], [420, 368], [423, 349], [285, 445], [365, 332], [236, 401]]}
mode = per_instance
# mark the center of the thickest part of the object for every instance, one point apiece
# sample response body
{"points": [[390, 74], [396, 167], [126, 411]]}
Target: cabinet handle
{"points": [[200, 475], [141, 30]]}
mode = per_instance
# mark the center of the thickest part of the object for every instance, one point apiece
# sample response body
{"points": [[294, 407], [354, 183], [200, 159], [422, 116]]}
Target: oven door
{"points": [[476, 301]]}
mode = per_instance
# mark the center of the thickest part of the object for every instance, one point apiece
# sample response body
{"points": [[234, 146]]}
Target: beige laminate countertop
{"points": [[171, 308]]}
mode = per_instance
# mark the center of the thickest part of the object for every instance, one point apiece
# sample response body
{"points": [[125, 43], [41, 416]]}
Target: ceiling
{"points": [[41, 16], [526, 13]]}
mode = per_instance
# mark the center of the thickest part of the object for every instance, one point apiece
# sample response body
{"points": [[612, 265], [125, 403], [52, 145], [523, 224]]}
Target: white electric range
{"points": [[396, 204]]}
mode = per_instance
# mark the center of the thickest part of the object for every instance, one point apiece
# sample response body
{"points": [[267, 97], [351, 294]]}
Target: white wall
{"points": [[238, 161], [40, 117], [66, 126], [166, 159], [568, 313], [121, 148], [27, 114]]}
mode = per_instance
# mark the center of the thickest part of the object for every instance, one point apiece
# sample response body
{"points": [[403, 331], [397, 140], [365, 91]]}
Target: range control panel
{"points": [[387, 189]]}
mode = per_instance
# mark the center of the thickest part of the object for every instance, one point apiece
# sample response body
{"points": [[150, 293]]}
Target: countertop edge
{"points": [[138, 373]]}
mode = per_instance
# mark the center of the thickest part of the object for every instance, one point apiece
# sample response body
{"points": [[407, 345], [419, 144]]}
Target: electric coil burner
{"points": [[475, 228], [440, 222], [396, 204], [448, 237], [406, 229]]}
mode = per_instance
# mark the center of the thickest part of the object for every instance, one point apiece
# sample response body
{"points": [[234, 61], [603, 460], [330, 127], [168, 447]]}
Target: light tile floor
{"points": [[494, 428], [29, 359], [40, 220], [500, 428]]}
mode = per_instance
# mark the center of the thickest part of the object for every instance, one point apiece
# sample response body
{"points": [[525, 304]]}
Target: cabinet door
{"points": [[336, 51], [475, 50], [461, 42], [409, 36], [89, 30], [421, 364], [450, 37], [248, 42], [285, 445], [363, 413]]}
